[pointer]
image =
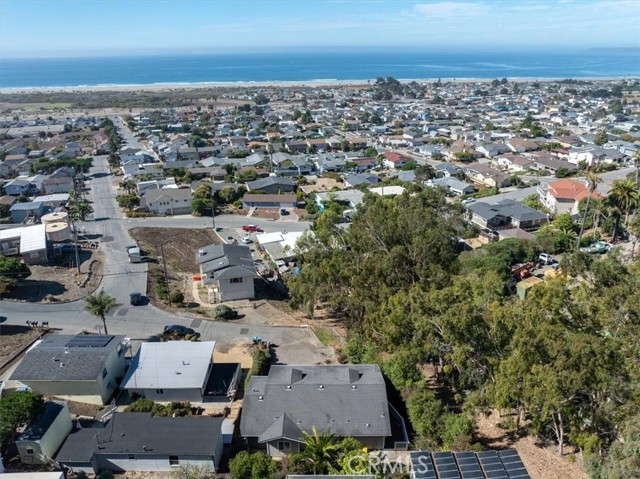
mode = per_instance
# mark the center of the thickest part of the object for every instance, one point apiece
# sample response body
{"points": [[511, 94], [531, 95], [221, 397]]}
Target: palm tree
{"points": [[634, 229], [636, 161], [80, 209], [100, 305], [626, 196], [592, 184], [129, 186], [320, 450]]}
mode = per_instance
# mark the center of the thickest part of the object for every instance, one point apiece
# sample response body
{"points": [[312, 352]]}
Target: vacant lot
{"points": [[179, 246], [15, 338]]}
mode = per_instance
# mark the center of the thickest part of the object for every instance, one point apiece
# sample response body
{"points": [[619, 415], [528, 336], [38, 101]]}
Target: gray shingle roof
{"points": [[133, 432], [225, 261], [43, 422], [48, 361], [506, 208], [350, 400]]}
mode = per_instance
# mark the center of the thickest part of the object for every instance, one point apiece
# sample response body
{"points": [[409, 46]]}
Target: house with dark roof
{"points": [[42, 438], [138, 441], [506, 214], [269, 201], [272, 185], [227, 271], [83, 368], [353, 180], [347, 400], [453, 185]]}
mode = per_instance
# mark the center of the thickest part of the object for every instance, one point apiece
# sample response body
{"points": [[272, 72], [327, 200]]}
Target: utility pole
{"points": [[164, 265], [213, 209]]}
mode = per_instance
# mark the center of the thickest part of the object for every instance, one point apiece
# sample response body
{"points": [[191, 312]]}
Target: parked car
{"points": [[177, 330], [283, 212], [252, 229], [546, 258], [468, 201], [599, 247], [247, 240], [135, 298], [65, 248]]}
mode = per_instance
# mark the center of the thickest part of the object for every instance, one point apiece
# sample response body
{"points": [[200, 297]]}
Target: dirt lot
{"points": [[179, 246], [267, 213], [15, 338], [59, 282], [541, 462]]}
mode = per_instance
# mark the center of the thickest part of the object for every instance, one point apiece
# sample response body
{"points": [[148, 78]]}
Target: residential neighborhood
{"points": [[239, 279]]}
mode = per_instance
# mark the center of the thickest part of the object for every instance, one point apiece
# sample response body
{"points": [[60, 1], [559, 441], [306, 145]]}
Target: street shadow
{"points": [[103, 218], [35, 291], [100, 175], [11, 329]]}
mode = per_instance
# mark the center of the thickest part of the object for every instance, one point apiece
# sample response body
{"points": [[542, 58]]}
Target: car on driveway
{"points": [[135, 298], [252, 229], [599, 247], [546, 258], [177, 330]]}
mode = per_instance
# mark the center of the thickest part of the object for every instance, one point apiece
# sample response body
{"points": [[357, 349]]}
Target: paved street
{"points": [[296, 345]]}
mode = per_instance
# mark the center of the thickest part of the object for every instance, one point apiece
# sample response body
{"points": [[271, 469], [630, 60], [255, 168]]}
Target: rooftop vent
{"points": [[354, 387], [367, 425], [260, 398], [288, 386], [320, 386]]}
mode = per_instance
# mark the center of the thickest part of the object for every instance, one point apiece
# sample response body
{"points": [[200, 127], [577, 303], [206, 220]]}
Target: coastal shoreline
{"points": [[159, 87]]}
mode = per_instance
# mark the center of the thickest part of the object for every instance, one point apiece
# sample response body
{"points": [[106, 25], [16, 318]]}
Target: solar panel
{"points": [[468, 465], [89, 341]]}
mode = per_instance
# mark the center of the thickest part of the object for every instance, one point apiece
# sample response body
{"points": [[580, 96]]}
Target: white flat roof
{"points": [[32, 475], [32, 238], [266, 238], [170, 365], [387, 190]]}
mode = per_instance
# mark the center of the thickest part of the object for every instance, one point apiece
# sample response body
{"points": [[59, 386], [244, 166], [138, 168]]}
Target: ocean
{"points": [[312, 66]]}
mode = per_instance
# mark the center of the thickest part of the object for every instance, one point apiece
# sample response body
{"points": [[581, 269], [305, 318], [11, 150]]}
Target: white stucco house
{"points": [[227, 271]]}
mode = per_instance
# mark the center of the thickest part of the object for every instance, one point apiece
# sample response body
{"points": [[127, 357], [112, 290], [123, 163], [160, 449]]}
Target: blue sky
{"points": [[45, 28]]}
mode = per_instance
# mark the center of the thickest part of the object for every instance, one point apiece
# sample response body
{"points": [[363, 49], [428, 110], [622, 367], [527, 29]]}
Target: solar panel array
{"points": [[89, 341], [468, 465]]}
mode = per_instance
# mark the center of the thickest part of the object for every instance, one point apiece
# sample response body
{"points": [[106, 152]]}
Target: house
{"points": [[42, 438], [506, 214], [351, 198], [515, 163], [138, 441], [485, 175], [354, 180], [521, 145], [175, 371], [31, 210], [269, 201], [279, 246], [447, 170], [30, 242], [57, 185], [545, 161], [272, 185], [227, 271], [144, 186], [395, 160], [453, 185], [594, 155], [347, 400], [83, 368], [17, 187], [168, 201], [563, 196], [492, 150]]}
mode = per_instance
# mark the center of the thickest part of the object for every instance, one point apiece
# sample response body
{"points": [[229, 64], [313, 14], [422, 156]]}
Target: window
{"points": [[132, 457], [104, 373], [109, 385], [29, 450], [174, 461], [284, 446], [34, 254], [159, 391], [235, 280]]}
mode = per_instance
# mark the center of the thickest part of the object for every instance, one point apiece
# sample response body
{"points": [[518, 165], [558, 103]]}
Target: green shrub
{"points": [[223, 311], [106, 474], [176, 297]]}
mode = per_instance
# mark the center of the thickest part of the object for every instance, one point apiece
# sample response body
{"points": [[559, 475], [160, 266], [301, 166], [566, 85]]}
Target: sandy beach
{"points": [[160, 87]]}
